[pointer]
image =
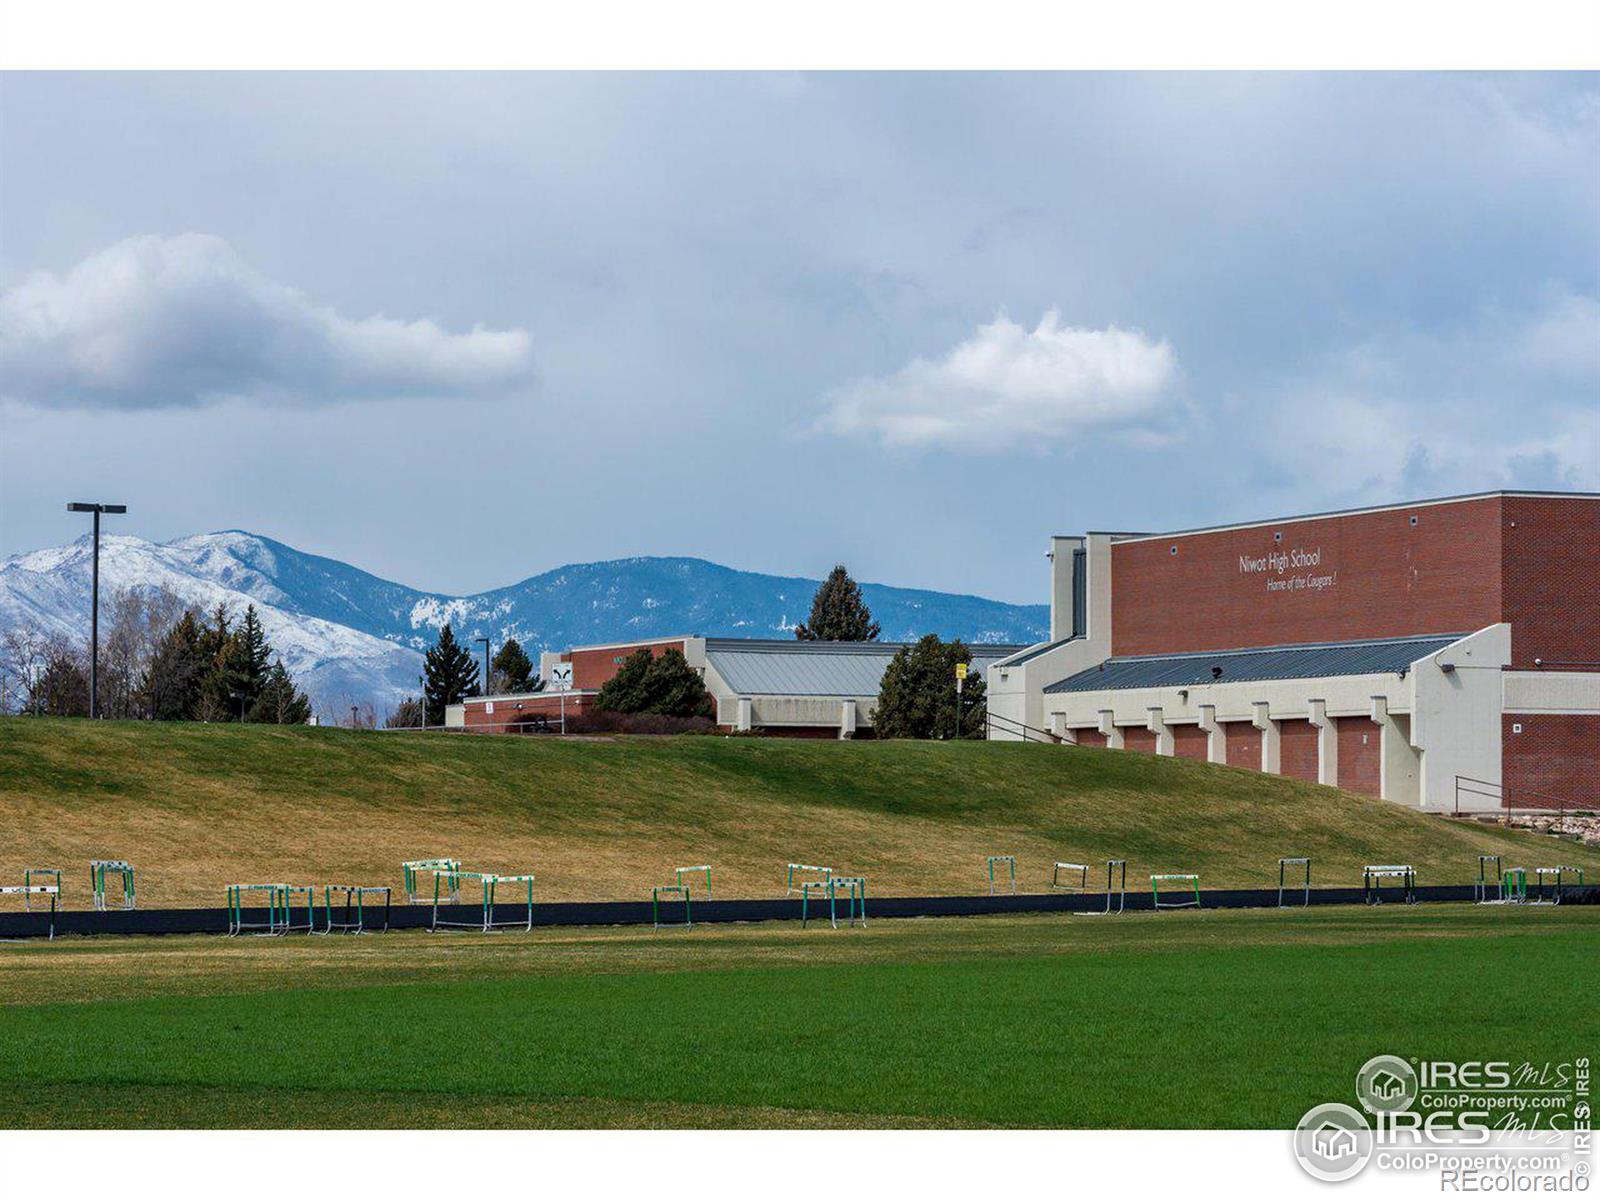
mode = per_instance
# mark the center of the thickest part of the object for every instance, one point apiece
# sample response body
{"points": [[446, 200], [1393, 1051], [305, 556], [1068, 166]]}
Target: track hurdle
{"points": [[353, 912], [29, 890], [671, 892], [413, 872], [855, 890], [27, 882], [1191, 893], [680, 872], [1077, 877], [1484, 884], [1011, 861], [490, 883], [798, 870], [1113, 867], [280, 909], [1372, 882], [1516, 886], [1283, 866], [98, 870], [1552, 893]]}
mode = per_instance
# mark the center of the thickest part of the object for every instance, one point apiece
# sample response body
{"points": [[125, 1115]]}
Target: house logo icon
{"points": [[1333, 1143], [1386, 1084]]}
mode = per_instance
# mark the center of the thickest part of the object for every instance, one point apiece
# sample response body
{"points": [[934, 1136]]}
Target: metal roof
{"points": [[769, 667], [1379, 657], [1033, 652]]}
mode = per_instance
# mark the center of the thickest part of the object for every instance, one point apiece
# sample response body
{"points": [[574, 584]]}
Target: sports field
{"points": [[197, 807], [1198, 1019]]}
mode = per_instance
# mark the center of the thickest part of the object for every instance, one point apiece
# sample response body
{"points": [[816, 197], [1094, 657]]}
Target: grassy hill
{"points": [[196, 807]]}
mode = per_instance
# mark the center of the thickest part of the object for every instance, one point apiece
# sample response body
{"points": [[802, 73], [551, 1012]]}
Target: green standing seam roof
{"points": [[1380, 657]]}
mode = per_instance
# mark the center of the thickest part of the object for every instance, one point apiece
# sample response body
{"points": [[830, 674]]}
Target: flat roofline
{"points": [[796, 646], [644, 641], [1340, 512]]}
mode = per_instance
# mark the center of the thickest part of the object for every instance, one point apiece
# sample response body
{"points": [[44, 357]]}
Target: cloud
{"points": [[158, 322], [1506, 401], [1006, 385]]}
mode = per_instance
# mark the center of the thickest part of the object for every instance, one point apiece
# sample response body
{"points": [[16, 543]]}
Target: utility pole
{"points": [[94, 601]]}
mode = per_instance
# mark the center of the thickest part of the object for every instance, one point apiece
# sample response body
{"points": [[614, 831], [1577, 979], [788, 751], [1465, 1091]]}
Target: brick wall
{"points": [[591, 669], [1554, 760], [1190, 741], [1243, 741], [1376, 575], [509, 713], [1089, 737], [1360, 754], [1551, 548], [1297, 750], [1138, 737]]}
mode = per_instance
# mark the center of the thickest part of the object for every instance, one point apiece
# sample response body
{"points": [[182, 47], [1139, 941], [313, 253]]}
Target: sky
{"points": [[458, 329]]}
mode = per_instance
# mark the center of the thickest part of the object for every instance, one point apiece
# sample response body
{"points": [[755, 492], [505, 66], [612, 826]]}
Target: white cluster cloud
{"points": [[1007, 385], [155, 322]]}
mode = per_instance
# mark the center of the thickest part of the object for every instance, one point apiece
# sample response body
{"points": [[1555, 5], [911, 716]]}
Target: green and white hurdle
{"points": [[353, 910], [413, 872], [29, 890], [490, 883], [1190, 894], [671, 892], [1484, 885], [680, 872], [28, 876], [796, 879], [280, 909], [1515, 886], [1372, 882], [1011, 861], [853, 886], [1551, 893], [1283, 878], [1077, 880], [104, 899]]}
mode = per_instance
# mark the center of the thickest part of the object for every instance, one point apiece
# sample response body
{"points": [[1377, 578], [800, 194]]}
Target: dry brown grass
{"points": [[198, 807]]}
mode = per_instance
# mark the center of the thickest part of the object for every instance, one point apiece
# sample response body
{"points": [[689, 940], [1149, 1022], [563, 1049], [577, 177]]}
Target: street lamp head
{"points": [[79, 506]]}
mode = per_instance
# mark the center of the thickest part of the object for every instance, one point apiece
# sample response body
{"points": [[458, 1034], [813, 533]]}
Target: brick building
{"points": [[1439, 653], [784, 688]]}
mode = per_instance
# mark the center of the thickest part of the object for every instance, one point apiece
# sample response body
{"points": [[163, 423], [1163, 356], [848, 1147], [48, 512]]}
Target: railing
{"points": [[1487, 789], [1011, 727]]}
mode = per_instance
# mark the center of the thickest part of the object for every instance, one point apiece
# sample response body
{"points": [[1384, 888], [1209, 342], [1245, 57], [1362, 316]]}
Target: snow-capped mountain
{"points": [[350, 637]]}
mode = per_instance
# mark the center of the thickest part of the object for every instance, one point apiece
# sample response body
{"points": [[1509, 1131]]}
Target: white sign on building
{"points": [[560, 679]]}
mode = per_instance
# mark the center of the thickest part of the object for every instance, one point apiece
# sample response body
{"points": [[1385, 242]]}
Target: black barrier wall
{"points": [[637, 912]]}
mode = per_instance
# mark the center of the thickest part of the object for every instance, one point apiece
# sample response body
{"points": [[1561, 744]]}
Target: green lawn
{"points": [[1183, 1020]]}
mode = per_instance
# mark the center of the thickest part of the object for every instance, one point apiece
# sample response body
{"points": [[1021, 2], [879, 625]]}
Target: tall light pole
{"points": [[94, 601], [485, 642]]}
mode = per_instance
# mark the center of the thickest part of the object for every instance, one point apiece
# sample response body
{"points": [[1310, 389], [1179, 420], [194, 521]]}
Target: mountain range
{"points": [[350, 637]]}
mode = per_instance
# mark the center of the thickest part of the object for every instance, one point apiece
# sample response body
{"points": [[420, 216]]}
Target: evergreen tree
{"points": [[172, 682], [220, 684], [664, 684], [278, 702], [625, 691], [512, 670], [838, 614], [917, 698], [449, 675], [249, 657]]}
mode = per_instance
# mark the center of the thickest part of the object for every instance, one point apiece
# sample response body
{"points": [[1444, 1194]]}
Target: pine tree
{"points": [[250, 656], [172, 681], [449, 675], [664, 684], [220, 683], [838, 614], [917, 698], [278, 702], [512, 669]]}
